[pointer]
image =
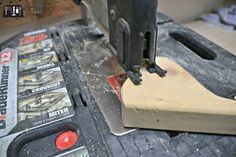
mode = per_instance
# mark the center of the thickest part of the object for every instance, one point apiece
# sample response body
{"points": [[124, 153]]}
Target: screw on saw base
{"points": [[113, 14], [234, 97]]}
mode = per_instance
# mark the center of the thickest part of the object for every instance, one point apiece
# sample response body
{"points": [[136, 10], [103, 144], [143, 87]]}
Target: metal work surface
{"points": [[88, 48]]}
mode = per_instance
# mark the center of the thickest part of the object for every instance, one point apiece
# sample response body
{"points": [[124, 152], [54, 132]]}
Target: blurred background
{"points": [[38, 13]]}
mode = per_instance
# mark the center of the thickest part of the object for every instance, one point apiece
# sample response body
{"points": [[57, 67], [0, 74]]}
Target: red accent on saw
{"points": [[66, 140], [3, 117]]}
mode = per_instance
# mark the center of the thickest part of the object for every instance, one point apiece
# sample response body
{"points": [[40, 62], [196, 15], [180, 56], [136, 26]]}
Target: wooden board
{"points": [[176, 102]]}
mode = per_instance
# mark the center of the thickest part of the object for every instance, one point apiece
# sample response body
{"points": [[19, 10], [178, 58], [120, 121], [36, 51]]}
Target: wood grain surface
{"points": [[176, 102]]}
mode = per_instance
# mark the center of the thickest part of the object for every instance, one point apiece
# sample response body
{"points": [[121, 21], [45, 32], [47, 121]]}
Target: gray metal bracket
{"points": [[133, 35]]}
